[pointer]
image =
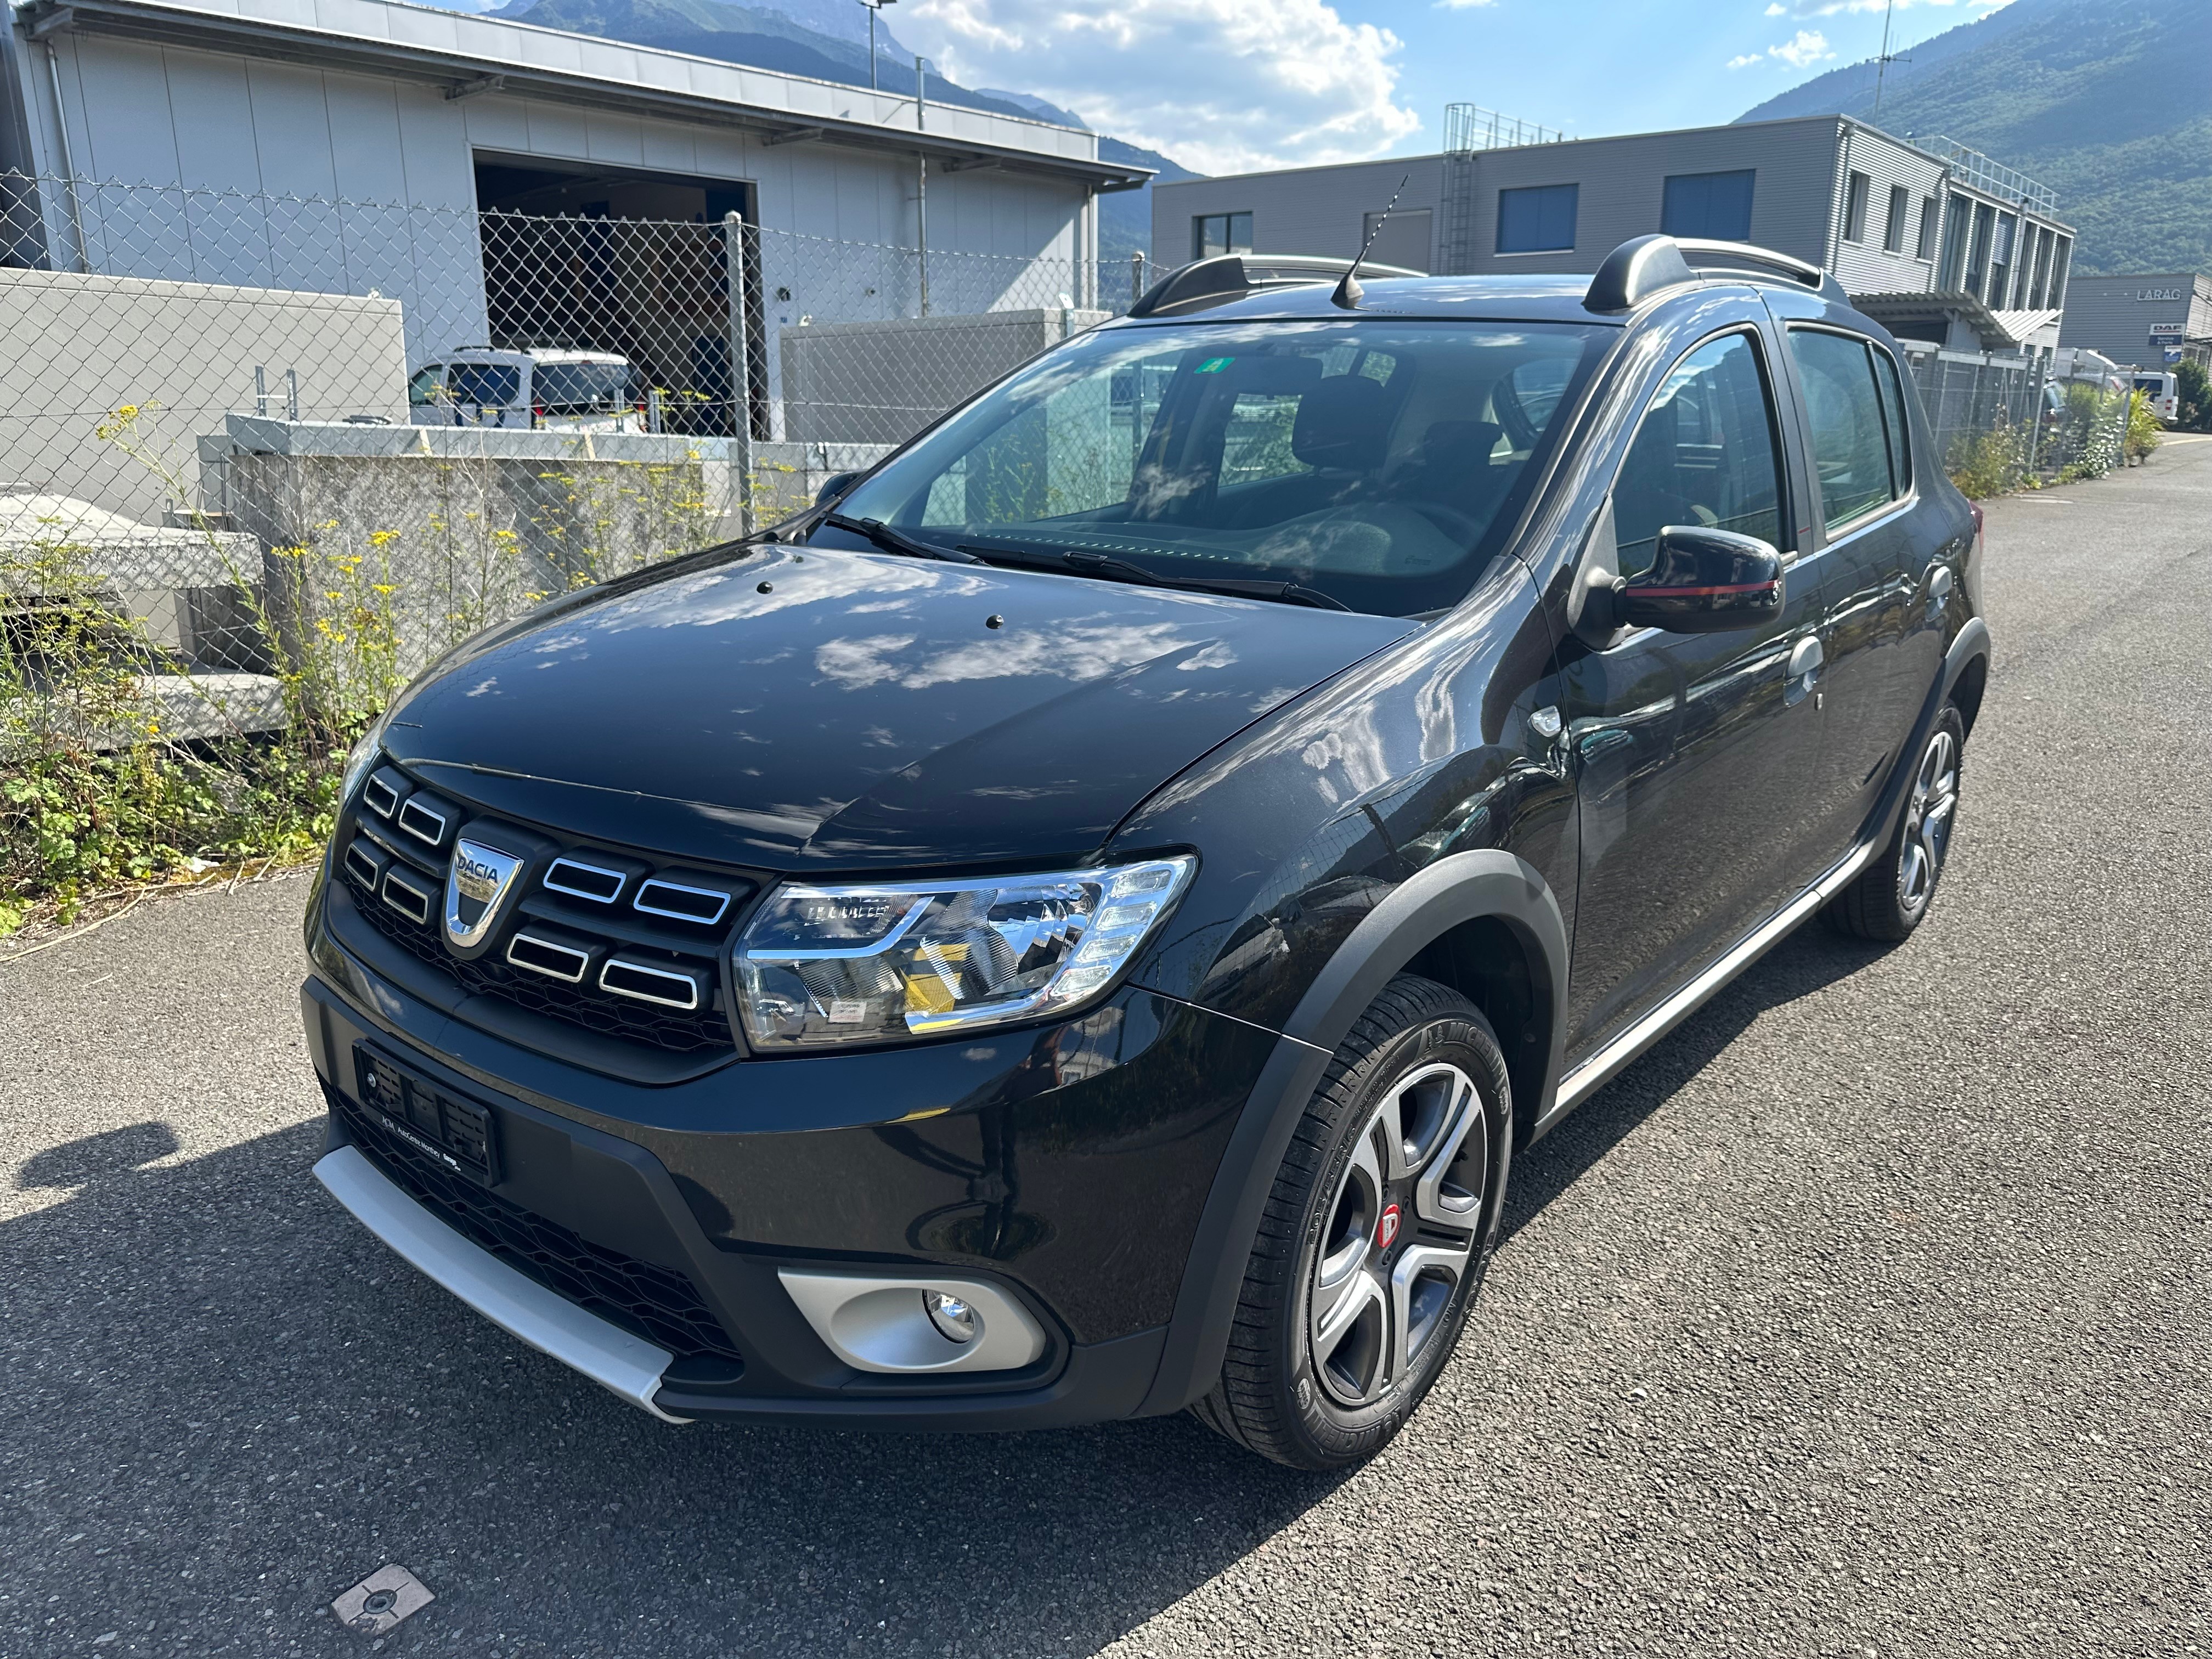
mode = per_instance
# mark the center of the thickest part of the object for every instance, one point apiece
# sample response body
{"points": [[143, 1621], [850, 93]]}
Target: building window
{"points": [[2044, 241], [1407, 238], [1220, 233], [2057, 300], [1958, 220], [1893, 227], [1999, 285], [1977, 259], [1710, 204], [1923, 245], [1537, 220], [1855, 208]]}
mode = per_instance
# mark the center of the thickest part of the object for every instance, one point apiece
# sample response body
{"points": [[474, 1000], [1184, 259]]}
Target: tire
{"points": [[1365, 1263], [1892, 894]]}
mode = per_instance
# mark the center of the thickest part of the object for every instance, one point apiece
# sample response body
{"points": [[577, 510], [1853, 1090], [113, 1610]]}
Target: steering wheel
{"points": [[1456, 526], [1505, 398]]}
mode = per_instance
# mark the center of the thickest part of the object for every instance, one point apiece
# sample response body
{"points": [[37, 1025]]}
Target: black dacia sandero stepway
{"points": [[1078, 924]]}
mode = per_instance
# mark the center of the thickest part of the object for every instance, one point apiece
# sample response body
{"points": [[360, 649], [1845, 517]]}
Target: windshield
{"points": [[581, 385], [1377, 461]]}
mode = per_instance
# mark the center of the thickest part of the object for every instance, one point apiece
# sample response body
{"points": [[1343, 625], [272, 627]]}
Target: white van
{"points": [[548, 390], [2164, 392]]}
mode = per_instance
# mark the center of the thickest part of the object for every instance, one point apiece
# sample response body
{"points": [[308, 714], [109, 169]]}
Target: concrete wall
{"points": [[1302, 211], [82, 347], [2114, 315], [879, 383]]}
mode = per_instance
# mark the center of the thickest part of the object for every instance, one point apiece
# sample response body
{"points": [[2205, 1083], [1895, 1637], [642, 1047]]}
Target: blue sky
{"points": [[1600, 66], [1231, 85]]}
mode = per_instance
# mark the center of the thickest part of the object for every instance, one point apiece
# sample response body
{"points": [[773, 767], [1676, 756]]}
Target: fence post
{"points": [[741, 371], [291, 394], [260, 389], [1136, 276]]}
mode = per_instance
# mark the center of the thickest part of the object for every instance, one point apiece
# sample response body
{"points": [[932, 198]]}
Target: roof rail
{"points": [[1227, 277], [1645, 265]]}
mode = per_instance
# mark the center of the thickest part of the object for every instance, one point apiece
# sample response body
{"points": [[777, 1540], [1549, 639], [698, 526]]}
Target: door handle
{"points": [[1807, 656]]}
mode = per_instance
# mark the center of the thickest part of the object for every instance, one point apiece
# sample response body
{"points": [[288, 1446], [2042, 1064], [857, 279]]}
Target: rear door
{"points": [[1881, 634]]}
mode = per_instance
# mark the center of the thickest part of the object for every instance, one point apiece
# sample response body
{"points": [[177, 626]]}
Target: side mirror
{"points": [[1702, 582], [834, 486]]}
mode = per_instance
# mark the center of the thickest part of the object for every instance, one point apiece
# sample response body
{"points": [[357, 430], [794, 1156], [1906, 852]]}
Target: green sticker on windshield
{"points": [[1214, 365]]}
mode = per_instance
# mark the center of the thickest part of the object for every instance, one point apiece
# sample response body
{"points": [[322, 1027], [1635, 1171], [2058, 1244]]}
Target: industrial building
{"points": [[1940, 243], [346, 147], [2150, 322]]}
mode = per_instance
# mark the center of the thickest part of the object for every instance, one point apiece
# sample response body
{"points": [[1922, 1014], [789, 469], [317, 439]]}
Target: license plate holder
{"points": [[456, 1132]]}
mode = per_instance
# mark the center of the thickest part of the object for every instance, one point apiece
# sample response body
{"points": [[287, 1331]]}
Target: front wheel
{"points": [[1375, 1236], [1891, 894]]}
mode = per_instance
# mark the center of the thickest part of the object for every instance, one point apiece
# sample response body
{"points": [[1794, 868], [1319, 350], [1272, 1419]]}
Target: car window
{"points": [[495, 386], [1377, 461], [568, 386], [1705, 454], [1850, 445], [427, 386], [1901, 431]]}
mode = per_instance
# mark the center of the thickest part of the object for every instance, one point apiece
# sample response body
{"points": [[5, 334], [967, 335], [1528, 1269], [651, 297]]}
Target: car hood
{"points": [[812, 708]]}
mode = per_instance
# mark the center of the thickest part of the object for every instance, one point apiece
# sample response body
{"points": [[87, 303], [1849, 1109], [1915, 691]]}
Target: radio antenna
{"points": [[1348, 293]]}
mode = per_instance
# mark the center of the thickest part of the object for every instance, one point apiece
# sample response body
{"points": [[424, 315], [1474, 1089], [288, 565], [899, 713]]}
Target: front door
{"points": [[1691, 749]]}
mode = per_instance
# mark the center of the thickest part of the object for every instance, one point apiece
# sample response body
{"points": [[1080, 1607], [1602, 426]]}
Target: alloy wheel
{"points": [[1927, 821], [1400, 1234]]}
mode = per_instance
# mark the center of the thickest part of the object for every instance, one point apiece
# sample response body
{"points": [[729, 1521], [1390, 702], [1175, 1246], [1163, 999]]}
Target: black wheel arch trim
{"points": [[1970, 645], [1465, 887]]}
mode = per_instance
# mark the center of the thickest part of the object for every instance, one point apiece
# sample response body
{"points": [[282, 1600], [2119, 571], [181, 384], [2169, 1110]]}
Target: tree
{"points": [[2196, 391]]}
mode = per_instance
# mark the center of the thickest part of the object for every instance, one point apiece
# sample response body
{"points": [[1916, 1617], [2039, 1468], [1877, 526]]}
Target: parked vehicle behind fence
{"points": [[1081, 924], [546, 389]]}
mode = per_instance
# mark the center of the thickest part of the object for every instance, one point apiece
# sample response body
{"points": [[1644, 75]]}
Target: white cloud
{"points": [[1809, 47], [1223, 86], [1461, 5], [1805, 49]]}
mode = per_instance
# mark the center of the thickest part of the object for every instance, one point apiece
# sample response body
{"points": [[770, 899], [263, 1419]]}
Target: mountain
{"points": [[828, 39], [764, 37], [2108, 103]]}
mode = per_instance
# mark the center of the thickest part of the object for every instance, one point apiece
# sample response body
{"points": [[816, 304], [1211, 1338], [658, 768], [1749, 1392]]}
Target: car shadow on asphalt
{"points": [[1806, 962], [218, 1373]]}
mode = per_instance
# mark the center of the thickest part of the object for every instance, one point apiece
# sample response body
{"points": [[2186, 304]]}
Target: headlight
{"points": [[362, 756], [828, 967]]}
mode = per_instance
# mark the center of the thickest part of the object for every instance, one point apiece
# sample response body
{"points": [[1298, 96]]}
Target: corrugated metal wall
{"points": [[1305, 211]]}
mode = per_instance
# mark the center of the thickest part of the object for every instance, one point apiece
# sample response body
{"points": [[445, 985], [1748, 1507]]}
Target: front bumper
{"points": [[1065, 1165]]}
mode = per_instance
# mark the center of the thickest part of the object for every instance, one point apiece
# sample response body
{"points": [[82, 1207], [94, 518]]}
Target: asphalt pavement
{"points": [[1868, 1315]]}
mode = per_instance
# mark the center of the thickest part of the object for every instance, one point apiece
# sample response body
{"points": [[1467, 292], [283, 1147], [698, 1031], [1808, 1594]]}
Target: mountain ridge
{"points": [[2110, 107]]}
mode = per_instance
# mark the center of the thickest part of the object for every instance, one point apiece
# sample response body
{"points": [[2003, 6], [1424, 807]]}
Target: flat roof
{"points": [[456, 50]]}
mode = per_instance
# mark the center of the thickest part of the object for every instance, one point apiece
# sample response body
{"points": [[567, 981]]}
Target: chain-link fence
{"points": [[265, 456], [2002, 423]]}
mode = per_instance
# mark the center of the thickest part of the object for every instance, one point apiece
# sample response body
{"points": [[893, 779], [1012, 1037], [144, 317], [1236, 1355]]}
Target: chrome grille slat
{"points": [[379, 796], [703, 915], [560, 868], [414, 902], [642, 978], [541, 956], [417, 807]]}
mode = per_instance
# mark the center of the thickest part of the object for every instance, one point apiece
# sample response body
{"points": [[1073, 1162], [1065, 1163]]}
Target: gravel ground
{"points": [[1866, 1316]]}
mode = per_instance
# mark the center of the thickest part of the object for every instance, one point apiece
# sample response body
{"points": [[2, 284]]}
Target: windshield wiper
{"points": [[1086, 563], [897, 540]]}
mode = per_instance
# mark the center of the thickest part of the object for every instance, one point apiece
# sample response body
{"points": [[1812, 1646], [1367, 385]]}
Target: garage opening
{"points": [[613, 260]]}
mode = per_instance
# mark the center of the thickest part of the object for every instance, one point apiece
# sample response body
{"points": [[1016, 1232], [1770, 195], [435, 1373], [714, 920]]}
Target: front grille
{"points": [[658, 1303], [596, 938]]}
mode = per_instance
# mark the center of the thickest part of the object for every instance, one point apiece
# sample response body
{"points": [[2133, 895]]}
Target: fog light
{"points": [[954, 1319]]}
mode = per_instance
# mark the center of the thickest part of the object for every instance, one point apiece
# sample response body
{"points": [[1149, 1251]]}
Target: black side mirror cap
{"points": [[1702, 582], [834, 486]]}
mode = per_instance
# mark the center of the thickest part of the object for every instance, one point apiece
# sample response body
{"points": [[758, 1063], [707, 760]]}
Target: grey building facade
{"points": [[1947, 246], [2138, 321]]}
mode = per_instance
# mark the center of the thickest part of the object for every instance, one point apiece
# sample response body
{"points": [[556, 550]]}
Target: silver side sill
{"points": [[625, 1364], [1600, 1067]]}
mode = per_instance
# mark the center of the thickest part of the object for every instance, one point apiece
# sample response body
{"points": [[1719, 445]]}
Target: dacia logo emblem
{"points": [[478, 880]]}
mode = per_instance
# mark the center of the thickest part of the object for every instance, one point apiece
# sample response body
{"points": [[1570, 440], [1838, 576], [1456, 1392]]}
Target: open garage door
{"points": [[611, 259]]}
